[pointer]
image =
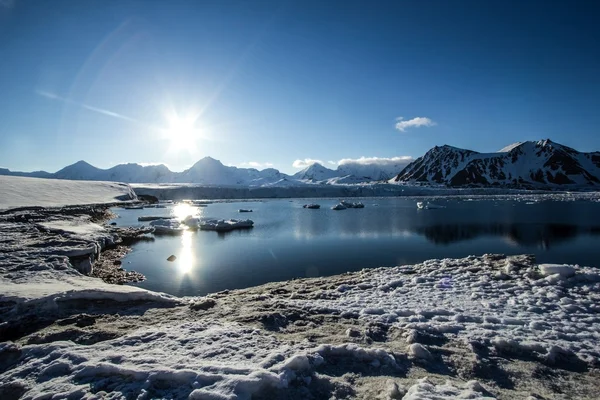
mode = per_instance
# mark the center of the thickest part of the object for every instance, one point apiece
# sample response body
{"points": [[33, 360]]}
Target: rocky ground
{"points": [[479, 327]]}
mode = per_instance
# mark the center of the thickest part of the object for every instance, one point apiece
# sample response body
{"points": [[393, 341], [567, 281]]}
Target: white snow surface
{"points": [[29, 192], [518, 310], [37, 264], [195, 360]]}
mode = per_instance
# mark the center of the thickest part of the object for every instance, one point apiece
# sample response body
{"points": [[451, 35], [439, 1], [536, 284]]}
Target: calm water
{"points": [[289, 241]]}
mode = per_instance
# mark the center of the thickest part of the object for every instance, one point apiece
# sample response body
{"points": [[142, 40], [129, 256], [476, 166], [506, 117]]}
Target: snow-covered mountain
{"points": [[132, 173], [81, 170], [315, 173], [351, 172], [526, 164], [207, 171]]}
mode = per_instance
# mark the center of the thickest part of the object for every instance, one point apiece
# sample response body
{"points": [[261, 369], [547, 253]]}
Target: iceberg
{"points": [[428, 206], [312, 206], [339, 206], [348, 204], [140, 207], [243, 210], [192, 222], [167, 227], [145, 218], [221, 225]]}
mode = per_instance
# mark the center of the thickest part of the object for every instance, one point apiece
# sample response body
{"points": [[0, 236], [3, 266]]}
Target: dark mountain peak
{"points": [[81, 163], [447, 148], [532, 164]]}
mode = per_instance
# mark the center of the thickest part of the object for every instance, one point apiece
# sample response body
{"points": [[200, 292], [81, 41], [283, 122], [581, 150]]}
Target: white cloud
{"points": [[416, 122], [377, 160], [255, 164], [299, 164]]}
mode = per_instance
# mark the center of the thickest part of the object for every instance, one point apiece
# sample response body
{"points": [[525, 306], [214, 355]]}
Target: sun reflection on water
{"points": [[182, 210], [187, 258]]}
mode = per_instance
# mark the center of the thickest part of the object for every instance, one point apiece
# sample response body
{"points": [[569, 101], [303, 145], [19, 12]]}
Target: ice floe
{"points": [[167, 226], [312, 206], [225, 225]]}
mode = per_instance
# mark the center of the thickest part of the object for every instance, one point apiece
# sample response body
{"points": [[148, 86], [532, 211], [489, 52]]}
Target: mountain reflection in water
{"points": [[541, 235]]}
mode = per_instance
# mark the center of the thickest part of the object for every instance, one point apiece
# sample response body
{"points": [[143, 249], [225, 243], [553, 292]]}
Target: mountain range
{"points": [[211, 172], [533, 164]]}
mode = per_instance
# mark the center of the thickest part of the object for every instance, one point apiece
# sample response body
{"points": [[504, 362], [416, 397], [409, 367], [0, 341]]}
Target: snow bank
{"points": [[510, 305], [196, 360], [45, 263], [424, 389], [29, 192], [564, 271]]}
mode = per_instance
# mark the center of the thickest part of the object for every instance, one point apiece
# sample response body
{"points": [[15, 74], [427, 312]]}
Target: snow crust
{"points": [[196, 360], [528, 310], [44, 263], [29, 192]]}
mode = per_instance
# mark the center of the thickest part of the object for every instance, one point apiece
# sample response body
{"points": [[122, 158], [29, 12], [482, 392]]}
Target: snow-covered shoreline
{"points": [[478, 327], [20, 192], [491, 326]]}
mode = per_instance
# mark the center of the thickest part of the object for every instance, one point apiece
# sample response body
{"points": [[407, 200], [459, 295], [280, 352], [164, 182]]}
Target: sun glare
{"points": [[183, 210], [182, 133]]}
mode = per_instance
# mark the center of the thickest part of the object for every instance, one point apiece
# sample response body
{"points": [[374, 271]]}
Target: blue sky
{"points": [[271, 82]]}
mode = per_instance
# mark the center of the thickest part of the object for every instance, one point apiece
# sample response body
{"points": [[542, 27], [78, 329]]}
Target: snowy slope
{"points": [[527, 164], [315, 173], [81, 170], [370, 172], [207, 171], [137, 173], [28, 192], [211, 172]]}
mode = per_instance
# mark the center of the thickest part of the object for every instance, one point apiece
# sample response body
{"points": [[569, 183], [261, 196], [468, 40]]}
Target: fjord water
{"points": [[289, 241]]}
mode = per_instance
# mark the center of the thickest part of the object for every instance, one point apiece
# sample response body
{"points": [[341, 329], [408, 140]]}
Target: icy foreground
{"points": [[479, 327], [36, 192]]}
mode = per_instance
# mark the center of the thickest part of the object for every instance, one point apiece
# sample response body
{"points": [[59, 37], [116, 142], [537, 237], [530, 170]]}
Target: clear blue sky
{"points": [[275, 81]]}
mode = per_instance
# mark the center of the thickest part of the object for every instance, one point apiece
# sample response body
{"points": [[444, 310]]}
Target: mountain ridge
{"points": [[531, 164], [206, 171]]}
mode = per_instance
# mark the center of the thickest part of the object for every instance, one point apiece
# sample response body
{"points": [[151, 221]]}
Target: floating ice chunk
{"points": [[565, 271], [192, 222], [146, 218], [221, 225], [428, 206], [167, 226], [348, 204], [339, 207], [312, 206]]}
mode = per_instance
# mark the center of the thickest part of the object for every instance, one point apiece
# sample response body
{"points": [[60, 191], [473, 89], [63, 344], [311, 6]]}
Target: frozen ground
{"points": [[30, 192], [477, 327]]}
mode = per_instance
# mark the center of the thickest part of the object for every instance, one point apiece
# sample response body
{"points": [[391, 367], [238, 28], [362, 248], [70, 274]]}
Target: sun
{"points": [[182, 133]]}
